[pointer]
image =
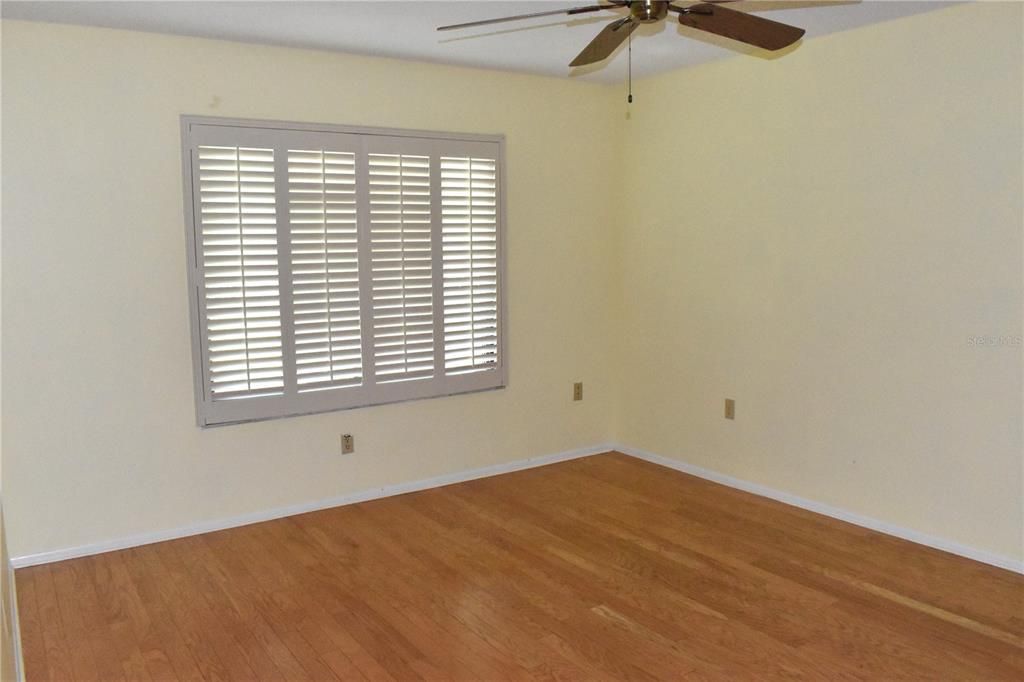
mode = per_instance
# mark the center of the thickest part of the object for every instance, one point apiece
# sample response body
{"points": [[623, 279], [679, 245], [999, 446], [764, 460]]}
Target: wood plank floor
{"points": [[601, 568]]}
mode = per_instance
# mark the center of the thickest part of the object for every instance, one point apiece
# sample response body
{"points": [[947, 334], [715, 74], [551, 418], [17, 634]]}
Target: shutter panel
{"points": [[401, 269], [237, 240], [325, 269], [469, 229]]}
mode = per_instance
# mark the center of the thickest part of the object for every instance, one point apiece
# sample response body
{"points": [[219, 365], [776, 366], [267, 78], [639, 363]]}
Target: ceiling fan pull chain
{"points": [[629, 68]]}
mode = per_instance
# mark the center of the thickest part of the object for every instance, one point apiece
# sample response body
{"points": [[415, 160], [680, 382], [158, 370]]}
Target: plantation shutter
{"points": [[402, 279], [469, 210], [335, 268], [240, 288], [325, 268]]}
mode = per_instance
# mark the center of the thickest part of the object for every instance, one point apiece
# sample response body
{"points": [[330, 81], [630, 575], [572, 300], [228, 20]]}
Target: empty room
{"points": [[483, 341]]}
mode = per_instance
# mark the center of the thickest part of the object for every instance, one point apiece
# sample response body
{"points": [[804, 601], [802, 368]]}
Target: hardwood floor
{"points": [[600, 568]]}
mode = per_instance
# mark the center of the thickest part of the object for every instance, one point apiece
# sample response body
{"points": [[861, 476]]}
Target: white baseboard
{"points": [[507, 467], [827, 510], [303, 507]]}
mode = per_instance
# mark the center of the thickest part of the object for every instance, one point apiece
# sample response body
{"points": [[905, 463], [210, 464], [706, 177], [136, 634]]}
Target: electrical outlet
{"points": [[577, 391], [730, 408], [348, 444]]}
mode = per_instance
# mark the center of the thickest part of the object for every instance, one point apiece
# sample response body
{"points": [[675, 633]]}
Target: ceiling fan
{"points": [[707, 16]]}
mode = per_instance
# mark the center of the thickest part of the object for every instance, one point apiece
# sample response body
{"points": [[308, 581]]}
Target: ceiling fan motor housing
{"points": [[648, 11]]}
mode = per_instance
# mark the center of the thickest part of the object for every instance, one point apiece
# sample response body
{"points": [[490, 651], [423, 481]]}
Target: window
{"points": [[335, 267]]}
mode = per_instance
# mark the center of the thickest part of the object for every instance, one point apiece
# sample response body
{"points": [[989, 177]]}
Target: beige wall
{"points": [[819, 237], [8, 612], [99, 430]]}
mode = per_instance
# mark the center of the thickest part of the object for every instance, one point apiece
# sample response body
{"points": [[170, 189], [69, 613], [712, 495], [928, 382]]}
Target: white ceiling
{"points": [[406, 29]]}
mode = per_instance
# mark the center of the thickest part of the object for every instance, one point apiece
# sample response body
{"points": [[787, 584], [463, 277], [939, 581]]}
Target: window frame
{"points": [[211, 413]]}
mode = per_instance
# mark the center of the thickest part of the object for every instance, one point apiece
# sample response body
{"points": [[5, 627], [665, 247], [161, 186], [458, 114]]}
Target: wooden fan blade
{"points": [[772, 5], [517, 17], [746, 28], [610, 37]]}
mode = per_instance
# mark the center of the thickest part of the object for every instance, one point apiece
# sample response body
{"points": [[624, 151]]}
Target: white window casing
{"points": [[334, 267]]}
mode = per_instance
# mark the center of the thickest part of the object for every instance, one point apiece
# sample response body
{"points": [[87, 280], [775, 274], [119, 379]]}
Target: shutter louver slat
{"points": [[469, 219], [241, 288], [325, 269], [402, 274]]}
